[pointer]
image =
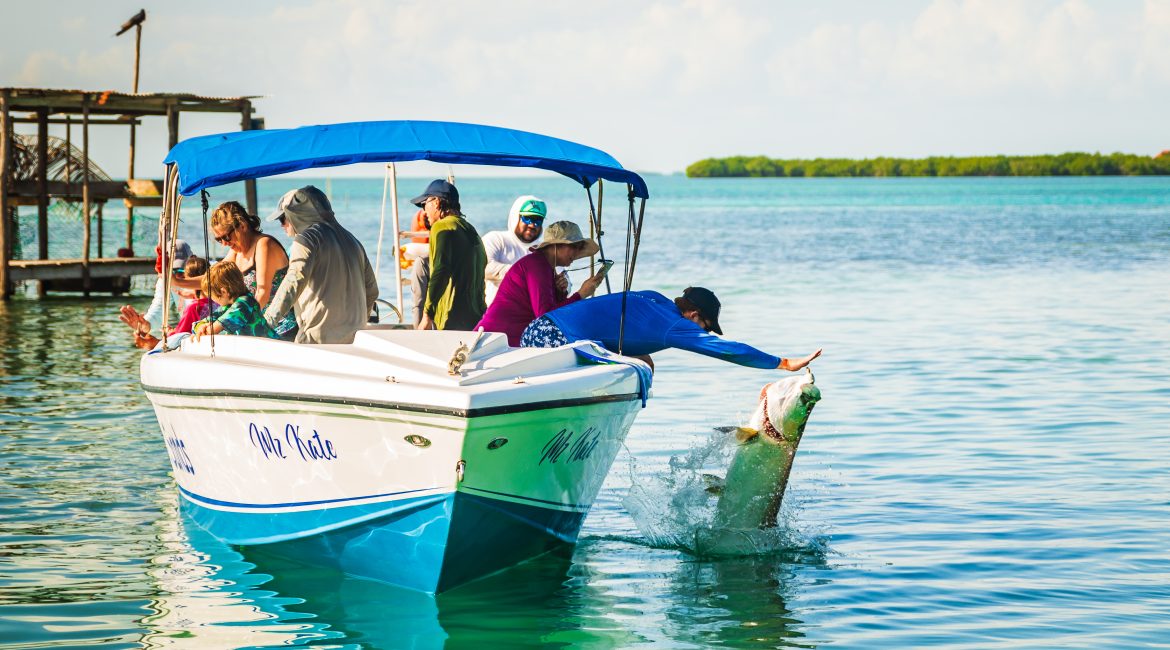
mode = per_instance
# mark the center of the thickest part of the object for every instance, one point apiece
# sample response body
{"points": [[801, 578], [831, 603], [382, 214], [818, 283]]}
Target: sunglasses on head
{"points": [[532, 219]]}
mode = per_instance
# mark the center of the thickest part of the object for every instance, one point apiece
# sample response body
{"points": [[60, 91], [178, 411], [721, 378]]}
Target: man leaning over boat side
{"points": [[329, 278], [653, 322], [455, 292]]}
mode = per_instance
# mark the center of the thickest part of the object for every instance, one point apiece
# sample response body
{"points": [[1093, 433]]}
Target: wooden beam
{"points": [[85, 198], [110, 267], [130, 173], [172, 126], [100, 227], [43, 184], [61, 120], [98, 190], [121, 103], [5, 217], [42, 190]]}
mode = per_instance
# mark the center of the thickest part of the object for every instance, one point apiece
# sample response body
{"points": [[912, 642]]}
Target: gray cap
{"points": [[307, 200], [182, 252]]}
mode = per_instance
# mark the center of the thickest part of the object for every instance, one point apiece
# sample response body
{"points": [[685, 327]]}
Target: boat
{"points": [[424, 459]]}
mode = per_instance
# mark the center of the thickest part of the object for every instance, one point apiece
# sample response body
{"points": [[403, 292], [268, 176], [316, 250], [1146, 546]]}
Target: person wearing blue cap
{"points": [[653, 323], [455, 291]]}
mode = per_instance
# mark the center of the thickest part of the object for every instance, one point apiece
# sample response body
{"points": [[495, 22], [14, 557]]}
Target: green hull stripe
{"points": [[398, 406], [575, 506]]}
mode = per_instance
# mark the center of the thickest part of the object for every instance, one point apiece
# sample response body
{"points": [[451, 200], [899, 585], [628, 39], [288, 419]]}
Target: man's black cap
{"points": [[707, 304], [439, 188]]}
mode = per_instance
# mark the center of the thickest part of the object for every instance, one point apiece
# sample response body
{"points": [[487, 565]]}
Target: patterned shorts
{"points": [[543, 333]]}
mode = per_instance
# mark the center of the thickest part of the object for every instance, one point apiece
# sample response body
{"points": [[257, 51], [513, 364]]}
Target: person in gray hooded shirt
{"points": [[329, 278]]}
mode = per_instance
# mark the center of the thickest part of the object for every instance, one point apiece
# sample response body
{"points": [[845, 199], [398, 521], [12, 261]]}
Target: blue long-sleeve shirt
{"points": [[653, 323]]}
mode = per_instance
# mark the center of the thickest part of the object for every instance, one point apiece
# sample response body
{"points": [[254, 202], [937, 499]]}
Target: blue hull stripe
{"points": [[429, 543], [294, 504]]}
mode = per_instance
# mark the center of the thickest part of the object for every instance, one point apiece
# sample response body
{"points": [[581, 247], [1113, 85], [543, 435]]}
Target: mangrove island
{"points": [[1065, 164]]}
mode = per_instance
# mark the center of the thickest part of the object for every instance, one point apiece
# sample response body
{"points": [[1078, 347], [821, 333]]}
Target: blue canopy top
{"points": [[212, 160]]}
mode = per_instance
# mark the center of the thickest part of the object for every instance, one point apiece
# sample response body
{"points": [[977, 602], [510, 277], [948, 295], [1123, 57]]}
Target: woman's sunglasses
{"points": [[223, 239]]}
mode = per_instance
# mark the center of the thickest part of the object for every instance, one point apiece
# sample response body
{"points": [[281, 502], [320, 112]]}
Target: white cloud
{"points": [[977, 48], [660, 83]]}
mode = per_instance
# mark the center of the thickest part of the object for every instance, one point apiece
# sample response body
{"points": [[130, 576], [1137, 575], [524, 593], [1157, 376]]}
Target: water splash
{"points": [[676, 508]]}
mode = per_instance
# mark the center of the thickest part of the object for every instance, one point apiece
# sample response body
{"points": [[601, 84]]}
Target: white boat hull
{"points": [[425, 481]]}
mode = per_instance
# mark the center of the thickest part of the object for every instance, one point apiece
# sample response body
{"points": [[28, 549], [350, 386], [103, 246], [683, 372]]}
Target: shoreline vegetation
{"points": [[1065, 164]]}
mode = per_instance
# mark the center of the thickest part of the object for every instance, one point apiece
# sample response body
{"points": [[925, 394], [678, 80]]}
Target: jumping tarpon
{"points": [[750, 495]]}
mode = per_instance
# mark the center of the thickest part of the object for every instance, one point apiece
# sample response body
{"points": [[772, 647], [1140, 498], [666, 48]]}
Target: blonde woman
{"points": [[259, 257]]}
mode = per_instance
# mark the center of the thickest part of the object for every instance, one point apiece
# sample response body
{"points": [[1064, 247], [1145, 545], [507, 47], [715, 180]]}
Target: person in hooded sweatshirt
{"points": [[505, 247], [329, 278]]}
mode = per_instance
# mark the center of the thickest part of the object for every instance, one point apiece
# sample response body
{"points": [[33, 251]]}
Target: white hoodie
{"points": [[504, 249]]}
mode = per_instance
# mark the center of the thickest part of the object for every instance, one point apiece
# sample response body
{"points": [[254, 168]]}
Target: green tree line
{"points": [[1065, 164]]}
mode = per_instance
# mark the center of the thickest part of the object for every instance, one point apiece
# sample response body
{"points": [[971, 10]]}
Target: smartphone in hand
{"points": [[606, 265]]}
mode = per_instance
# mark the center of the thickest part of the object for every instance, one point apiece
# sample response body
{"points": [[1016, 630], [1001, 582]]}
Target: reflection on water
{"points": [[990, 473], [213, 595], [739, 602], [210, 596]]}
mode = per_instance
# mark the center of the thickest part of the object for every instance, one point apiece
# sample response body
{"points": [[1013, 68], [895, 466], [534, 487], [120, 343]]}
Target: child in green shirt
{"points": [[225, 285]]}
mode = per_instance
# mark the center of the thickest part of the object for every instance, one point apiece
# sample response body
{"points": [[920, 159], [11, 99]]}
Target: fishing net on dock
{"points": [[66, 163]]}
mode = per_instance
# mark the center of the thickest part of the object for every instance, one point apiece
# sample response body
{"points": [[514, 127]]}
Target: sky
{"points": [[658, 85]]}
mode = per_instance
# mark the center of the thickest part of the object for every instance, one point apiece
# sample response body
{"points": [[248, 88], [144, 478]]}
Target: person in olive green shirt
{"points": [[455, 292]]}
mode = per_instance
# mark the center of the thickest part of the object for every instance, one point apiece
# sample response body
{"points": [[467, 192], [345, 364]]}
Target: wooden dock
{"points": [[33, 173], [103, 274]]}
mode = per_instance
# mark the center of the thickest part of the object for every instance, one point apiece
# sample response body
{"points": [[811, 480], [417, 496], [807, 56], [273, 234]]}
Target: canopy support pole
{"points": [[168, 226], [595, 222], [397, 239], [634, 231]]}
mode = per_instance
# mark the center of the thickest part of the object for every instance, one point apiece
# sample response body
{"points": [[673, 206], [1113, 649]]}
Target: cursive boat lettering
{"points": [[312, 447], [583, 448], [555, 446], [177, 450], [265, 441], [579, 448]]}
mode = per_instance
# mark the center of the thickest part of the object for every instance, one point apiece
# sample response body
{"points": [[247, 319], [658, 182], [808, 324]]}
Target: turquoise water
{"points": [[987, 468]]}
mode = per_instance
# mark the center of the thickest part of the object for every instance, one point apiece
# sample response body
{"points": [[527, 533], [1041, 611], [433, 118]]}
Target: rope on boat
{"points": [[203, 196], [629, 276], [382, 221], [459, 357], [595, 221]]}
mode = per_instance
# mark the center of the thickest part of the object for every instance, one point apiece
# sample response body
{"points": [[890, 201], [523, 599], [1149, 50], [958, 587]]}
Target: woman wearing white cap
{"points": [[528, 289], [151, 319]]}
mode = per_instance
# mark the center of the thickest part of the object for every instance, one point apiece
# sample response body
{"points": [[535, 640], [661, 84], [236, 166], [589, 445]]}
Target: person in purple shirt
{"points": [[529, 288], [653, 323]]}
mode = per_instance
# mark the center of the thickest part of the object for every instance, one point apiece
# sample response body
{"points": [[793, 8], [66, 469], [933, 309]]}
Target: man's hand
{"points": [[427, 323], [796, 364]]}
